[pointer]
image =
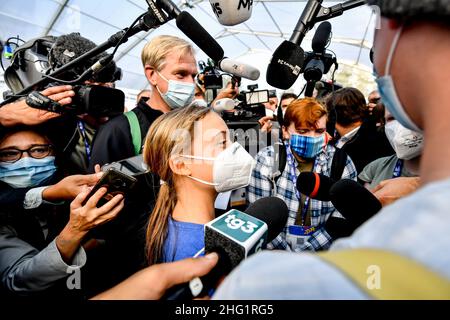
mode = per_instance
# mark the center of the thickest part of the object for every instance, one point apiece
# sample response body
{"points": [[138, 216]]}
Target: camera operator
{"points": [[71, 133]]}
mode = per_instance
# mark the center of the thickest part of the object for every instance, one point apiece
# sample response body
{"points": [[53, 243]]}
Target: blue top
{"points": [[183, 240]]}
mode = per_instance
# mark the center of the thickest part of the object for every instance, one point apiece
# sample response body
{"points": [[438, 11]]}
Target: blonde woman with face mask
{"points": [[190, 150]]}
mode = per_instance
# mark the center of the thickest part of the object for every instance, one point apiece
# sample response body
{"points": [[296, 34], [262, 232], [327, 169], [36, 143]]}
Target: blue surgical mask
{"points": [[389, 94], [27, 172], [179, 94], [307, 147]]}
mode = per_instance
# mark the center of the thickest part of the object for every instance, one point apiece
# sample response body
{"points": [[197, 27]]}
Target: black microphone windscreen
{"points": [[273, 211], [354, 201], [315, 185], [194, 31], [285, 66], [321, 37]]}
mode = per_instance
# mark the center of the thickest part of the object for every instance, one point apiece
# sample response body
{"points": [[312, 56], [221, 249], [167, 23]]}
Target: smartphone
{"points": [[116, 182]]}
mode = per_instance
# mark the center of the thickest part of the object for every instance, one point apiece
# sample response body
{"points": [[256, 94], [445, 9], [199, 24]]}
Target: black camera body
{"points": [[250, 106], [31, 63], [316, 65]]}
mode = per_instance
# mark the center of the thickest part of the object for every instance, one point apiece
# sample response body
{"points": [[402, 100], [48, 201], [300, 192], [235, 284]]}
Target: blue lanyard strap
{"points": [[293, 178], [398, 169], [85, 139]]}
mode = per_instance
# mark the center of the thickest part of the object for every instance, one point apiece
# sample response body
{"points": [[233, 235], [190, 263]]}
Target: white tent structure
{"points": [[252, 42]]}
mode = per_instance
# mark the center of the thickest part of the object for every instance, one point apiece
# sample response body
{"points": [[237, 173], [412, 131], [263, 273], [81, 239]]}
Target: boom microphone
{"points": [[234, 236], [287, 61], [315, 185], [321, 37], [169, 7], [194, 31], [239, 69], [232, 12]]}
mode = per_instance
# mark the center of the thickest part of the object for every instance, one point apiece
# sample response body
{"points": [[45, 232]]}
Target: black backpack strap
{"points": [[338, 164]]}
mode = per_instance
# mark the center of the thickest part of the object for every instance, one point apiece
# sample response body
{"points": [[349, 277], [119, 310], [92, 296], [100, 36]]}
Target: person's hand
{"points": [[389, 191], [85, 218], [19, 113], [69, 187], [266, 124], [151, 283], [229, 92]]}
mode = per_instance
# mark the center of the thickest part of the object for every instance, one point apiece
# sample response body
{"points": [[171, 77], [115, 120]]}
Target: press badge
{"points": [[298, 235]]}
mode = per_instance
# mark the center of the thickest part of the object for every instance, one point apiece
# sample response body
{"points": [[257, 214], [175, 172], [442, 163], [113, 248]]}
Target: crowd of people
{"points": [[138, 244]]}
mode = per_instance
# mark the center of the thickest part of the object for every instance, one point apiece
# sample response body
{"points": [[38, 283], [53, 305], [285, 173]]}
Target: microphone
{"points": [[321, 37], [232, 12], [234, 236], [239, 69], [168, 6], [354, 202], [315, 185], [287, 61], [194, 31], [225, 104]]}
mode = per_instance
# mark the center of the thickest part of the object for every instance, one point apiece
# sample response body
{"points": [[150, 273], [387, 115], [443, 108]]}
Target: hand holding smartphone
{"points": [[115, 182]]}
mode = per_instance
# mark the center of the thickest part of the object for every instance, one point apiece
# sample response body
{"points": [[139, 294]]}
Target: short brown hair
{"points": [[304, 113], [350, 105]]}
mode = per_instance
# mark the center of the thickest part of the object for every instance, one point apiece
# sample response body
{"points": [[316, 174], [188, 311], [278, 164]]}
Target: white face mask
{"points": [[406, 143], [231, 170]]}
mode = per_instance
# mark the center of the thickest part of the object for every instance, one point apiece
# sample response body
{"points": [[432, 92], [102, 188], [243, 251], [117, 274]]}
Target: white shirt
{"points": [[349, 136]]}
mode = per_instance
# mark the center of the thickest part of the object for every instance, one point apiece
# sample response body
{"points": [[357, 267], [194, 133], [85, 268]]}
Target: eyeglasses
{"points": [[12, 155]]}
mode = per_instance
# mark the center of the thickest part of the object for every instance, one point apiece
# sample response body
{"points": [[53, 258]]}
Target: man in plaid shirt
{"points": [[263, 183]]}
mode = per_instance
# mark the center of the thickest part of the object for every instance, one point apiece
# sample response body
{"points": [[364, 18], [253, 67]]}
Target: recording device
{"points": [[318, 62], [288, 60], [232, 12], [315, 185], [135, 167], [116, 182], [249, 105], [234, 236], [97, 101]]}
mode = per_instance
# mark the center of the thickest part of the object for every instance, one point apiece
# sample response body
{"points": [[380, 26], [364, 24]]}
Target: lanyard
{"points": [[85, 139], [293, 178], [398, 169]]}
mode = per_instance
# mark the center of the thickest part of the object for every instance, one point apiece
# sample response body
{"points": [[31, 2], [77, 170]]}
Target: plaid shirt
{"points": [[261, 186]]}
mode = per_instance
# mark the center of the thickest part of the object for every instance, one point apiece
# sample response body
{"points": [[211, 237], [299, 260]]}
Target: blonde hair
{"points": [[164, 140], [155, 52]]}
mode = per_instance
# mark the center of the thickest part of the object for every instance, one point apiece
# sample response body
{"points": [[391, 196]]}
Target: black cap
{"points": [[413, 9]]}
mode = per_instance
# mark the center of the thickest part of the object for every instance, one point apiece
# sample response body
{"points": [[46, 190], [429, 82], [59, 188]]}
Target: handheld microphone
{"points": [[239, 69], [234, 236], [232, 12], [321, 37], [315, 185], [194, 31], [225, 104], [287, 61], [354, 202]]}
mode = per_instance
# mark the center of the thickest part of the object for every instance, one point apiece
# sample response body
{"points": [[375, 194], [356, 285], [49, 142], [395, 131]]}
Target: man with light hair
{"points": [[170, 67]]}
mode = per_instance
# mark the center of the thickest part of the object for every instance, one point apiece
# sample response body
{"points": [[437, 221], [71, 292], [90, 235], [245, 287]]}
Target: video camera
{"points": [[250, 105], [35, 59]]}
